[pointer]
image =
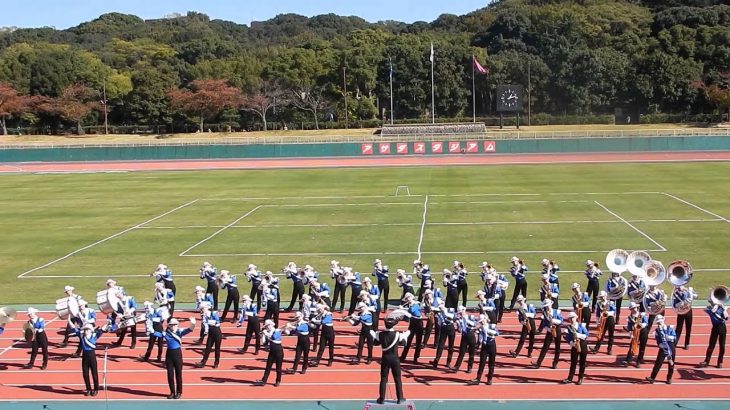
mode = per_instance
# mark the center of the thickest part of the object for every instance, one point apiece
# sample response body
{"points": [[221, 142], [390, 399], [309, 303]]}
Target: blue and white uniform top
{"points": [[529, 313], [487, 333], [163, 296], [296, 278], [229, 282], [615, 282], [718, 314], [552, 272], [381, 272], [309, 309], [665, 337], [641, 319], [88, 344], [445, 317], [272, 337], [254, 276], [153, 319], [551, 317], [518, 271], [211, 319], [87, 316], [635, 285], [423, 272], [247, 312], [163, 275], [683, 295], [655, 295], [205, 298], [322, 290], [355, 282], [487, 305], [452, 283], [466, 323], [502, 284], [461, 274], [609, 308], [327, 319], [209, 273], [581, 297], [302, 328], [271, 294], [174, 339], [38, 324], [365, 318], [374, 293], [414, 311], [593, 273], [554, 291], [581, 333]]}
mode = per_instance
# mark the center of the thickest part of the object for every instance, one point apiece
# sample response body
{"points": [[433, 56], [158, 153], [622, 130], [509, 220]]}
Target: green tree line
{"points": [[584, 57]]}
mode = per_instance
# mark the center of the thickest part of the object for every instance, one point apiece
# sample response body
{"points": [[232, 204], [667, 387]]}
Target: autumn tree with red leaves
{"points": [[206, 99], [75, 103], [11, 103], [718, 94], [264, 99]]}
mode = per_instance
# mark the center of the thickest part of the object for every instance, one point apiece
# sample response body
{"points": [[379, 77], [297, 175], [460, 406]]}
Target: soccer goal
{"points": [[402, 190]]}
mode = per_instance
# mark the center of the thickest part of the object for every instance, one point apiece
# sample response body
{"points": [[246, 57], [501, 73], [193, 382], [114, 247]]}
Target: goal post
{"points": [[401, 190]]}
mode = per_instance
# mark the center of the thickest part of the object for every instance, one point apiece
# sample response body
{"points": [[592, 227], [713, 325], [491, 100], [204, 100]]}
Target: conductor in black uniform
{"points": [[389, 339]]}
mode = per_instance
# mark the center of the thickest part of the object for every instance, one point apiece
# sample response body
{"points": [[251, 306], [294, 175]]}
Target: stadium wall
{"points": [[222, 151]]}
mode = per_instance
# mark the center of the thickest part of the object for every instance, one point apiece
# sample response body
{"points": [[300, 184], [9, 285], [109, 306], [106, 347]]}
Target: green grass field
{"points": [[80, 229]]}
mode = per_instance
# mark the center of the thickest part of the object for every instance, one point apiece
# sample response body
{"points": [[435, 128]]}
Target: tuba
{"points": [[654, 275], [636, 261], [616, 260], [620, 290], [680, 273], [719, 295]]}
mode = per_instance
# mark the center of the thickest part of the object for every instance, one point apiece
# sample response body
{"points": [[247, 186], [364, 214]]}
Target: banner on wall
{"points": [[419, 148], [490, 146], [454, 147], [401, 148], [437, 147], [367, 149], [384, 148]]}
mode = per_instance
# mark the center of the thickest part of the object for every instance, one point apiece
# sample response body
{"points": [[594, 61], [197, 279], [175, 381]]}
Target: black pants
{"points": [[660, 357], [390, 364], [452, 298], [683, 320], [585, 316], [272, 312], [297, 292], [256, 293], [718, 332], [88, 365], [213, 290], [550, 339], [328, 340], [41, 340], [340, 291], [468, 344], [609, 327], [489, 351], [276, 355], [575, 357], [314, 330], [233, 297], [652, 317], [421, 289], [643, 338], [415, 325], [215, 337], [520, 288], [592, 290], [500, 306], [301, 352], [618, 303], [132, 332], [365, 337], [462, 289], [528, 330], [384, 286], [447, 332], [171, 286], [154, 339], [253, 329], [174, 366], [354, 299]]}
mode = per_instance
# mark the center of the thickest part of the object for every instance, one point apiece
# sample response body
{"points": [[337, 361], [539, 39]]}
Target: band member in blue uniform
{"points": [[445, 320], [40, 339], [486, 334], [549, 290], [209, 273], [718, 317], [636, 289], [164, 275], [381, 272], [72, 298], [467, 325], [88, 337], [551, 320], [211, 324], [165, 298], [617, 282], [271, 295], [606, 319], [581, 304], [321, 292], [389, 339], [462, 286], [300, 328], [323, 318], [593, 273], [372, 298], [526, 317], [355, 283], [430, 307], [249, 314], [405, 282], [451, 282], [363, 316], [309, 309], [415, 327], [486, 306], [230, 283], [576, 334], [518, 270], [254, 276], [87, 316], [200, 298], [173, 357], [298, 280], [338, 274], [638, 327], [550, 268], [127, 323], [153, 329], [422, 272], [684, 295], [665, 340], [654, 295], [272, 337]]}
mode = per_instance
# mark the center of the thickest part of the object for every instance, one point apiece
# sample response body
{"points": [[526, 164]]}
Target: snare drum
{"points": [[107, 300], [127, 321], [67, 307]]}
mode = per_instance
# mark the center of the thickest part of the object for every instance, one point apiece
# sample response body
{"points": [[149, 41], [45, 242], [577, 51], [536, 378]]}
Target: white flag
{"points": [[431, 58]]}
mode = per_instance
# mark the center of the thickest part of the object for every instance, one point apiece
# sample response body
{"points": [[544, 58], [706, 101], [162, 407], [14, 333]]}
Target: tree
{"points": [[73, 104], [267, 97], [309, 98], [718, 94], [10, 104], [206, 98]]}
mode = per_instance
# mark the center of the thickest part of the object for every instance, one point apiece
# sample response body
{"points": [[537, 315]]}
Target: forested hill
{"points": [[584, 56]]}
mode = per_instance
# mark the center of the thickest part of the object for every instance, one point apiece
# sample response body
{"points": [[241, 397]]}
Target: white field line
{"points": [[22, 275], [697, 207], [406, 253], [423, 227], [220, 230], [337, 205], [662, 249], [432, 195], [242, 382]]}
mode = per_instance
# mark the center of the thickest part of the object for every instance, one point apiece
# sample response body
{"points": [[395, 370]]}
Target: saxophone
{"points": [[576, 341]]}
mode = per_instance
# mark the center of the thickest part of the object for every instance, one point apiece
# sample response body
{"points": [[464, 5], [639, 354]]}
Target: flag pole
{"points": [[391, 90], [433, 98], [473, 88]]}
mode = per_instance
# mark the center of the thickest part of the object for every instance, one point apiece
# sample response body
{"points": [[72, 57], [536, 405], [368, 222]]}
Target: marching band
{"points": [[425, 312]]}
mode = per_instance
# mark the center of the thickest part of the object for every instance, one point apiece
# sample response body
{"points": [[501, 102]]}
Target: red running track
{"points": [[371, 161], [129, 379]]}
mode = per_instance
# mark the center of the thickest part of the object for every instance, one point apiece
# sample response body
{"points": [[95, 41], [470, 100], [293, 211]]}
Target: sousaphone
{"points": [[719, 295], [617, 260], [680, 273], [636, 261], [654, 275]]}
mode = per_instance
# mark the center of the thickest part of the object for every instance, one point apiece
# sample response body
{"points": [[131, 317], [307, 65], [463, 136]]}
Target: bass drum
{"points": [[67, 307], [107, 301]]}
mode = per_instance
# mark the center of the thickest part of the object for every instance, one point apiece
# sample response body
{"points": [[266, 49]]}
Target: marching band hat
{"points": [[484, 264], [481, 293], [545, 262], [268, 323], [408, 295], [83, 302], [159, 285], [32, 311], [173, 322], [245, 297], [400, 271], [306, 297], [378, 261], [161, 266], [205, 305], [520, 298], [447, 272], [334, 262], [363, 293], [147, 303], [251, 266], [225, 272], [575, 286], [589, 263], [659, 319], [428, 292], [573, 315], [298, 315], [111, 282], [633, 305], [547, 303], [366, 279], [361, 306], [68, 288], [207, 264], [602, 294], [462, 308], [199, 289], [417, 262]]}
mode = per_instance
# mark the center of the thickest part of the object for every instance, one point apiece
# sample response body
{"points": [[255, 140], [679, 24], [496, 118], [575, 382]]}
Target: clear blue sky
{"points": [[68, 13]]}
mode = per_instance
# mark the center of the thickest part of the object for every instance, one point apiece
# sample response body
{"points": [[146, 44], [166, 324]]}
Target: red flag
{"points": [[478, 67]]}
